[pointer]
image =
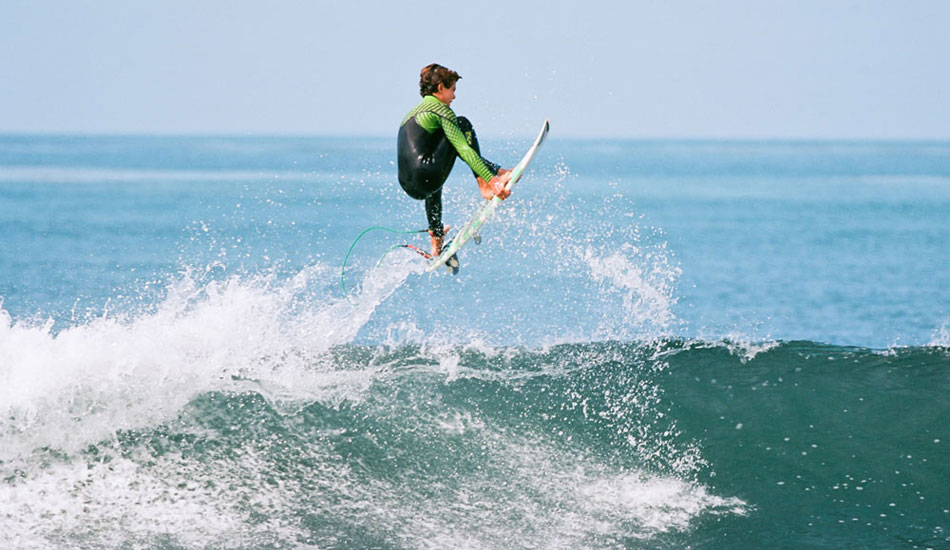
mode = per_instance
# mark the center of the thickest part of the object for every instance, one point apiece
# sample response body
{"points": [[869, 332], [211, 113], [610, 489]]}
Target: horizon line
{"points": [[572, 137]]}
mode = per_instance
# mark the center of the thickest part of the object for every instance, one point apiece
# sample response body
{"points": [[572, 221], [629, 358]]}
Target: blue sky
{"points": [[674, 69]]}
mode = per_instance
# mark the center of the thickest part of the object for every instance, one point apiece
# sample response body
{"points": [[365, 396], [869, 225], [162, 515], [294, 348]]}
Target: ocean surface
{"points": [[657, 345]]}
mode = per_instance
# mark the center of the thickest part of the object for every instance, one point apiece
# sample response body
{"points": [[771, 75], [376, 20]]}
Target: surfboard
{"points": [[471, 228]]}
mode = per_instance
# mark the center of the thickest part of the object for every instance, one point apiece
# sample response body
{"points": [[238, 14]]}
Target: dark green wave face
{"points": [[602, 445]]}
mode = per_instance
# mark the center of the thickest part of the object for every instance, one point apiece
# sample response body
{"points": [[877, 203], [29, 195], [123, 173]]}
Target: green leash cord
{"points": [[365, 231]]}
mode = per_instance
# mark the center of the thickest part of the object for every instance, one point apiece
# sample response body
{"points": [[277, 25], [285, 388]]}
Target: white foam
{"points": [[652, 505], [745, 348], [111, 503], [69, 389], [555, 497]]}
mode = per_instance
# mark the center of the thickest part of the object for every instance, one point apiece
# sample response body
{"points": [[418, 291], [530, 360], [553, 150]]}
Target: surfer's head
{"points": [[432, 76]]}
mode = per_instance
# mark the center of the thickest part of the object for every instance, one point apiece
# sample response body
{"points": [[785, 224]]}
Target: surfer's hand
{"points": [[504, 176], [498, 184], [499, 189], [495, 187], [485, 188]]}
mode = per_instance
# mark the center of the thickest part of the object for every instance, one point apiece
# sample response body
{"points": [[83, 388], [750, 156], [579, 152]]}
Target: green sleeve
{"points": [[457, 139]]}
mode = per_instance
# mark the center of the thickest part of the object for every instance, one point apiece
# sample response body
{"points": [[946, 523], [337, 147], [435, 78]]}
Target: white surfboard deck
{"points": [[471, 228]]}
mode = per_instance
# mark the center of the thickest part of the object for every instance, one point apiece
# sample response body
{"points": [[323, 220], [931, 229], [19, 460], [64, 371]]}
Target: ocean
{"points": [[657, 345]]}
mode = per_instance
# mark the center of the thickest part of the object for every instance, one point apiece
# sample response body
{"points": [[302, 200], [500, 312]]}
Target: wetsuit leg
{"points": [[466, 126], [434, 213]]}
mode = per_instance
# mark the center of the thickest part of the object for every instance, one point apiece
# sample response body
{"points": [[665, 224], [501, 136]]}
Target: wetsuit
{"points": [[430, 138]]}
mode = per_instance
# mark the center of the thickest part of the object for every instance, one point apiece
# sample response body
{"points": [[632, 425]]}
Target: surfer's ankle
{"points": [[437, 238]]}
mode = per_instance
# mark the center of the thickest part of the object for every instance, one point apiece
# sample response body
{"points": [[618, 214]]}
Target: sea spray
{"points": [[645, 288]]}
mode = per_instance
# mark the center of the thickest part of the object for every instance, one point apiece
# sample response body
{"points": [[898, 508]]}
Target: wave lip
{"points": [[74, 387]]}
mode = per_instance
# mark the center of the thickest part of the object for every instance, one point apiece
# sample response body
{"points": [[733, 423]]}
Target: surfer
{"points": [[430, 137]]}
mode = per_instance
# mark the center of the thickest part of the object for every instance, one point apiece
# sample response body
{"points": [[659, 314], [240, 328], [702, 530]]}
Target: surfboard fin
{"points": [[452, 264], [477, 238]]}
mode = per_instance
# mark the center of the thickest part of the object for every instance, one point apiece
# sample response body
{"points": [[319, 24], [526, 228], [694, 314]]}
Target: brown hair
{"points": [[434, 74]]}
